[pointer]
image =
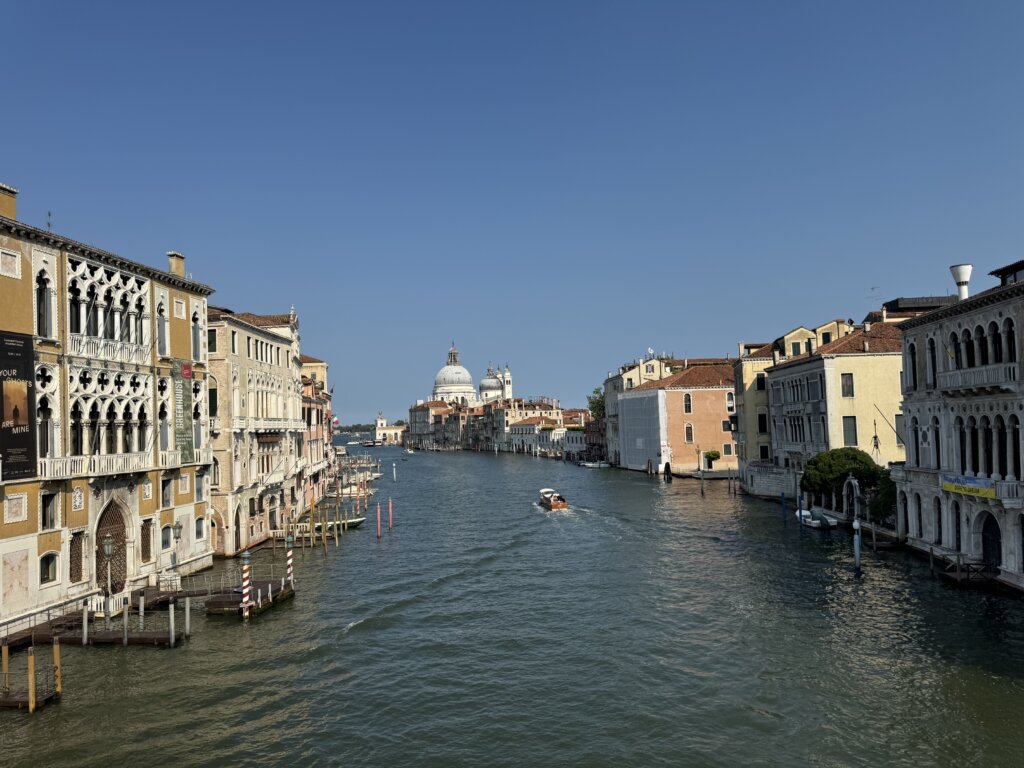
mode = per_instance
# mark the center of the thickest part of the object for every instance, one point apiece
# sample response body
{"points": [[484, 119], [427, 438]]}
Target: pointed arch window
{"points": [[197, 337], [44, 306], [687, 403], [161, 329]]}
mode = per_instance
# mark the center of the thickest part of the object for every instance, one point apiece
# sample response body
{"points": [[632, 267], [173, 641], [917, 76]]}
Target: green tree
{"points": [[827, 472], [712, 456], [595, 402], [882, 505]]}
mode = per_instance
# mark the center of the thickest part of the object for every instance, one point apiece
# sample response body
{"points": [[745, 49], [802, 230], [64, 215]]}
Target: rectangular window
{"points": [[762, 382], [211, 340], [77, 551], [899, 429], [212, 399], [165, 493], [727, 449], [650, 368], [826, 337], [248, 347], [147, 540], [847, 384], [49, 517], [200, 490], [764, 450], [850, 431], [165, 537], [234, 342], [796, 347], [200, 529], [183, 484], [10, 264], [47, 569], [762, 423], [725, 425]]}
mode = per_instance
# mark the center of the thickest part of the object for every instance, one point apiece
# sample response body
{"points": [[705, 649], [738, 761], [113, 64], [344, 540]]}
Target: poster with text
{"points": [[17, 407], [182, 378]]}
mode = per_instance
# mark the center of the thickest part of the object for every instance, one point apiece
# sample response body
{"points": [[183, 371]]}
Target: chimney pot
{"points": [[962, 277], [867, 327], [8, 201], [176, 263]]}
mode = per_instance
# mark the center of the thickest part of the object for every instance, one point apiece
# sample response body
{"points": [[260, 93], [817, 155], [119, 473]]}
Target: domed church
{"points": [[454, 384]]}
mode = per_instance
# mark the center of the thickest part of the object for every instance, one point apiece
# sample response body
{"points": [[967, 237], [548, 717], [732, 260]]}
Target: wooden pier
{"points": [[264, 596]]}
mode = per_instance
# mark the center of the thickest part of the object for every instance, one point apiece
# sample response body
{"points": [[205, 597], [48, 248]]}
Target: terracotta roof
{"points": [[760, 352], [309, 359], [883, 337], [264, 321], [430, 404], [542, 420], [717, 375]]}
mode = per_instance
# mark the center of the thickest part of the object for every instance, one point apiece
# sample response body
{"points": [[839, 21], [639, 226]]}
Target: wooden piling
{"points": [[142, 612], [127, 603], [5, 665], [31, 679], [85, 622], [58, 678], [170, 617], [188, 616], [390, 522]]}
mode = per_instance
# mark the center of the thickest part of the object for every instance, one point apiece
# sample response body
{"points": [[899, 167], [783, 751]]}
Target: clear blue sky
{"points": [[558, 185]]}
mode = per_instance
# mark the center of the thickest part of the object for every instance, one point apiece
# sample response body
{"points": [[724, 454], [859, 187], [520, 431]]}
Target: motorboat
{"points": [[814, 519], [409, 450], [595, 464], [552, 499]]}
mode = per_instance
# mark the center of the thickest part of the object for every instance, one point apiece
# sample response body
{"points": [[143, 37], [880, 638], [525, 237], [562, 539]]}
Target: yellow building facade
{"points": [[104, 440]]}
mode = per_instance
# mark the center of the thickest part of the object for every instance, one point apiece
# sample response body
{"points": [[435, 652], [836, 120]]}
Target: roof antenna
{"points": [[49, 220]]}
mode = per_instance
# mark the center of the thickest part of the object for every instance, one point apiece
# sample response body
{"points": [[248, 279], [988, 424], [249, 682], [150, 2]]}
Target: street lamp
{"points": [[108, 551], [176, 530]]}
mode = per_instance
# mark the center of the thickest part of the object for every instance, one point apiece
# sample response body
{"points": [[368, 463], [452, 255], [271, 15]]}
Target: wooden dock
{"points": [[264, 595], [20, 699]]}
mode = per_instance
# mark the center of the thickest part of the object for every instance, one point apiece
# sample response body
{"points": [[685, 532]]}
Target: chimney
{"points": [[885, 313], [867, 345], [961, 276], [176, 263], [8, 201], [867, 327], [775, 355]]}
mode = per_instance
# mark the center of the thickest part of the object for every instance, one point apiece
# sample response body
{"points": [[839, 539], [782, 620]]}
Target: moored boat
{"points": [[813, 519], [552, 499], [595, 464]]}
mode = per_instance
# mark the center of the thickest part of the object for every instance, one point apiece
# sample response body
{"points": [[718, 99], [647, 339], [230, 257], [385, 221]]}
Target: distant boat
{"points": [[814, 519], [552, 499], [595, 464], [409, 450]]}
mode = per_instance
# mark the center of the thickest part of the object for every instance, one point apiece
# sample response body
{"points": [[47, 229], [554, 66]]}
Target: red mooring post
{"points": [[390, 522], [378, 521]]}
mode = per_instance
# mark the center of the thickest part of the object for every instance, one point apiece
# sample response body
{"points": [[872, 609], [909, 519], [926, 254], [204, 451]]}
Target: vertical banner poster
{"points": [[17, 407], [182, 377]]}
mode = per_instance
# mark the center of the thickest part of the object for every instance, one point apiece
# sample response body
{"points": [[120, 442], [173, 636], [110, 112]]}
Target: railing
{"points": [[204, 456], [1007, 489], [1002, 375], [215, 424], [119, 462], [237, 424], [108, 349], [65, 466], [170, 458], [272, 478]]}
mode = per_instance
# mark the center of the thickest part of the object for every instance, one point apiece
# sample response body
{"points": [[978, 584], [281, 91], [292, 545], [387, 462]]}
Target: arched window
{"points": [[140, 322], [996, 338], [955, 353], [932, 364], [937, 521], [912, 378], [45, 417], [127, 430], [689, 433], [1011, 340], [200, 528], [197, 336], [94, 431], [125, 326], [108, 315], [981, 342], [687, 403], [936, 443], [48, 571], [968, 349], [161, 329], [165, 437], [92, 321], [74, 307], [143, 443], [166, 537], [730, 401], [961, 433], [44, 310], [918, 515], [915, 433], [76, 431]]}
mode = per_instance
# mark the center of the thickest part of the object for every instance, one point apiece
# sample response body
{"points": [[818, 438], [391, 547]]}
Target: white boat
{"points": [[810, 519], [595, 464], [409, 450]]}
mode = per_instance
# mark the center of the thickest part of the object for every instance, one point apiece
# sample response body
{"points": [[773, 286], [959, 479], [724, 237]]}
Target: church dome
{"points": [[490, 382], [453, 376]]}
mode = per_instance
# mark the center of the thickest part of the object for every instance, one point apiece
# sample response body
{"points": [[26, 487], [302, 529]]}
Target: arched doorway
{"points": [[111, 523], [991, 541], [217, 533], [238, 529]]}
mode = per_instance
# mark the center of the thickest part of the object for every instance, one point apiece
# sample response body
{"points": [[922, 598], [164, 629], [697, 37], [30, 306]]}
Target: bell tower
{"points": [[506, 384]]}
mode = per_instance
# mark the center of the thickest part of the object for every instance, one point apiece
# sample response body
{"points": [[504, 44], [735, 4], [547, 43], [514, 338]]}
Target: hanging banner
{"points": [[17, 407], [181, 375]]}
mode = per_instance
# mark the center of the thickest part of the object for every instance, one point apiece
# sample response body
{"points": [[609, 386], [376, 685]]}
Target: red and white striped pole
{"points": [[378, 521], [390, 523], [291, 576], [245, 585]]}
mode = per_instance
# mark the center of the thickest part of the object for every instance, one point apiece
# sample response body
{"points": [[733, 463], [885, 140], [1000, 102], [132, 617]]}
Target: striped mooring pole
{"points": [[288, 559], [245, 585]]}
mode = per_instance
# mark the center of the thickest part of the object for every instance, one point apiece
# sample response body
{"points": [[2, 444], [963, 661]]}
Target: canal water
{"points": [[645, 626]]}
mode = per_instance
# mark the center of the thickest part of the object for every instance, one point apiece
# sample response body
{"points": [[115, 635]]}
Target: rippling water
{"points": [[645, 626]]}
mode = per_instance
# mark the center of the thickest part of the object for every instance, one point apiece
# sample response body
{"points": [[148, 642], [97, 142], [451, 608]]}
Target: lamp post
{"points": [[108, 552], [176, 529]]}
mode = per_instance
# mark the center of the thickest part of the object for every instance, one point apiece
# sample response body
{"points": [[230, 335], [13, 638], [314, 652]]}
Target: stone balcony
{"points": [[170, 459], [214, 424], [204, 456], [1000, 377], [64, 466], [272, 478], [237, 424], [118, 463], [110, 350]]}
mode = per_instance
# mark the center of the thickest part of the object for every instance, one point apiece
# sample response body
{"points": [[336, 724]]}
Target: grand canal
{"points": [[646, 626]]}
